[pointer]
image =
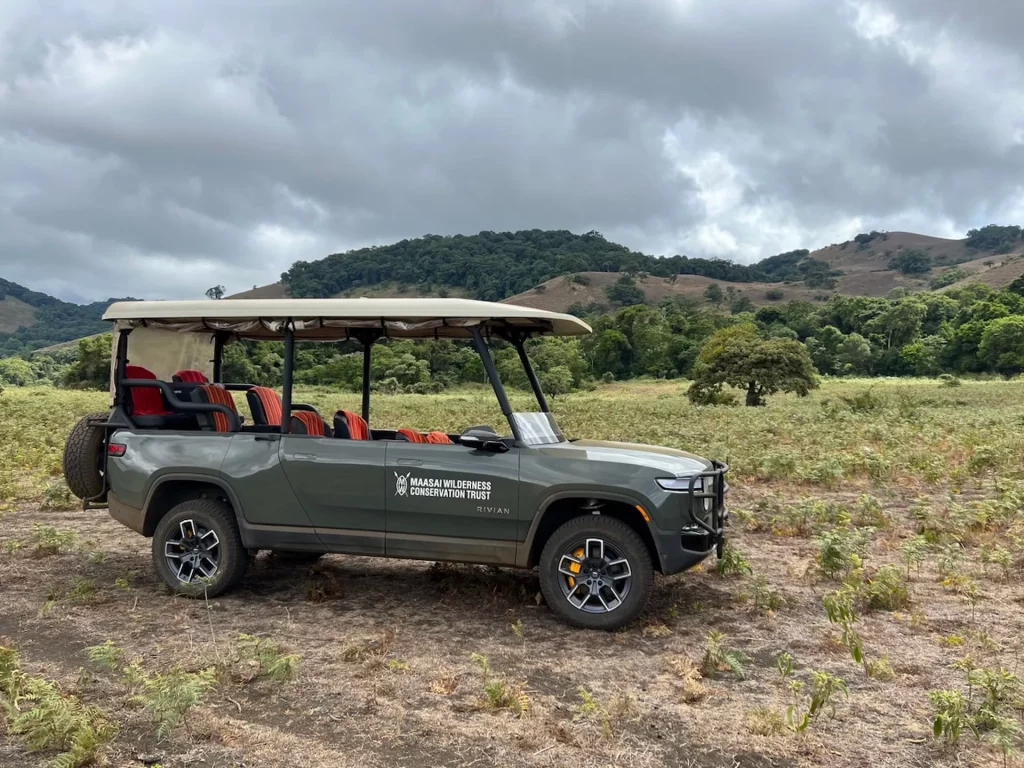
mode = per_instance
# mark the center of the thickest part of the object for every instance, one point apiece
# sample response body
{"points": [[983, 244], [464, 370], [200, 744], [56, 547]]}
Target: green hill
{"points": [[30, 320]]}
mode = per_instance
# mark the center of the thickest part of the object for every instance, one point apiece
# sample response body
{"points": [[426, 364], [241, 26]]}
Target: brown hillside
{"points": [[559, 293], [15, 314]]}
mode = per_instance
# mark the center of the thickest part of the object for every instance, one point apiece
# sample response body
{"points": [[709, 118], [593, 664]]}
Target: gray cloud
{"points": [[158, 148]]}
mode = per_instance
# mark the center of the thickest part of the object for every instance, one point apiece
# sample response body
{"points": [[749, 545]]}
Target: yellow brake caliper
{"points": [[575, 567]]}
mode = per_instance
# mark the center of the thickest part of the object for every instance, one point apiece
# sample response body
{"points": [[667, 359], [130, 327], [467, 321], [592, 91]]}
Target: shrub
{"points": [[732, 562], [170, 696], [886, 590], [498, 693], [719, 658]]}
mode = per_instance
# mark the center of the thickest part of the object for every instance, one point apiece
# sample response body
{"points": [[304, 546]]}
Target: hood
{"points": [[668, 460]]}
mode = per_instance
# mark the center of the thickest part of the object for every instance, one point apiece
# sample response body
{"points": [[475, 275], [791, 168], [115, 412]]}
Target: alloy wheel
{"points": [[594, 576], [195, 555]]}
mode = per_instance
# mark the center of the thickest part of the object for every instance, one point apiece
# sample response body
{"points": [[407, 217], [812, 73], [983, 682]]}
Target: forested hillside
{"points": [[30, 320], [495, 265]]}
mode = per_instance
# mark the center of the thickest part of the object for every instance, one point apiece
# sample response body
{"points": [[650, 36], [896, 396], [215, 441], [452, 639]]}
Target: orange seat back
{"points": [[351, 425], [219, 396], [146, 401], [439, 438], [189, 376], [412, 435], [265, 405], [307, 423]]}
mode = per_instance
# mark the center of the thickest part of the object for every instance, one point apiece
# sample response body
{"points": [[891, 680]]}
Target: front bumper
{"points": [[703, 530]]}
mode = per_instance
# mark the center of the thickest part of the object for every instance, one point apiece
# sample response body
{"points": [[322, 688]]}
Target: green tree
{"points": [[16, 372], [739, 357], [1002, 345], [911, 262], [1017, 286], [625, 292], [92, 368], [714, 294], [854, 355], [823, 348]]}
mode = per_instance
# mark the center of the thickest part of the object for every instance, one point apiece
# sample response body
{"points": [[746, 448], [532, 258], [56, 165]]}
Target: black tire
{"points": [[617, 536], [83, 458], [211, 516], [295, 556]]}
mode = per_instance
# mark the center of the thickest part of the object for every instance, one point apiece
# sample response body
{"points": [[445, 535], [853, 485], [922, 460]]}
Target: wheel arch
{"points": [[560, 508], [172, 489]]}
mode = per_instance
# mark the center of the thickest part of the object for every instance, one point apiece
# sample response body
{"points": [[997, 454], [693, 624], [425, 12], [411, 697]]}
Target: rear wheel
{"points": [[83, 457], [197, 549], [596, 573]]}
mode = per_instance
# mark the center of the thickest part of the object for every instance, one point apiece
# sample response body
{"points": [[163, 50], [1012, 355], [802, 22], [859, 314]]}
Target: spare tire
{"points": [[83, 457]]}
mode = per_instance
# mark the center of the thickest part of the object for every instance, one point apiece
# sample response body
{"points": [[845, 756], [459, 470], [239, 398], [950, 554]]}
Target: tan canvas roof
{"points": [[325, 319]]}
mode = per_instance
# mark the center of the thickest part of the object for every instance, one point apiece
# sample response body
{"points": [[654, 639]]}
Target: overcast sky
{"points": [[157, 148]]}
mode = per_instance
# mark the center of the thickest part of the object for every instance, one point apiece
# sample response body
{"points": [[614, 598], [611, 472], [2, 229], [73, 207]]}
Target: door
{"points": [[450, 502], [340, 484]]}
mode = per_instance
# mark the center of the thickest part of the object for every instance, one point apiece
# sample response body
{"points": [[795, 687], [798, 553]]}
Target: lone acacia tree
{"points": [[739, 357]]}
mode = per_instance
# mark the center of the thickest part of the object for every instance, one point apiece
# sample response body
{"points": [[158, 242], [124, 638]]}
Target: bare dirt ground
{"points": [[386, 678]]}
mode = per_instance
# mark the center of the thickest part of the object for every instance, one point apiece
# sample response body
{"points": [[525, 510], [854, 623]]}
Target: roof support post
{"points": [[492, 374], [219, 340], [520, 345], [367, 337], [120, 364], [367, 351], [286, 384]]}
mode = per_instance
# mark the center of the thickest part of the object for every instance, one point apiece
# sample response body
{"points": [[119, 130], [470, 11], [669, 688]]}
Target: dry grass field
{"points": [[873, 519]]}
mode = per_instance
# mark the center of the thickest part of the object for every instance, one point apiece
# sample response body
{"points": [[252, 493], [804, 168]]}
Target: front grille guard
{"points": [[715, 529]]}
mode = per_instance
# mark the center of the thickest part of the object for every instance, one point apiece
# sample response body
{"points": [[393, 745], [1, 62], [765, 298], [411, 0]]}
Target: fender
{"points": [[523, 551], [193, 477]]}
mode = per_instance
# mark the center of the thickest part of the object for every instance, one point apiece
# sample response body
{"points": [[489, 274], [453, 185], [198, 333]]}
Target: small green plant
{"points": [[720, 658], [45, 540], [839, 550], [784, 664], [915, 551], [765, 598], [840, 609], [950, 715], [498, 693], [824, 687], [1001, 558], [170, 696], [517, 630], [57, 496], [109, 655], [879, 669], [270, 662], [732, 562], [886, 590], [50, 720], [398, 665]]}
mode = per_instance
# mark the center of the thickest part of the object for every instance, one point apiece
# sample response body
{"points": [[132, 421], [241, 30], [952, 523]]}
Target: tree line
{"points": [[972, 329]]}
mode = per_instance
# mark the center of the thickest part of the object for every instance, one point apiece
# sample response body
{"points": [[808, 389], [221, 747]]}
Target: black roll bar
{"points": [[286, 383], [185, 406], [492, 374]]}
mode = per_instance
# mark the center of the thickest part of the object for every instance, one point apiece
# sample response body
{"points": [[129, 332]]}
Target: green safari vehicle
{"points": [[174, 460]]}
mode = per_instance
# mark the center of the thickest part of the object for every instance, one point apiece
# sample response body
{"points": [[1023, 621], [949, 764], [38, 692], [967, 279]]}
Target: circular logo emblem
{"points": [[401, 484]]}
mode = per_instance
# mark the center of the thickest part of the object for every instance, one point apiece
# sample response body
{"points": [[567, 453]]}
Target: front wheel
{"points": [[596, 573], [197, 549]]}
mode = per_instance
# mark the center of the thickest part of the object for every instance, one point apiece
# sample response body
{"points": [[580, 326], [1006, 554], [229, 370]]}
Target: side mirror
{"points": [[479, 443]]}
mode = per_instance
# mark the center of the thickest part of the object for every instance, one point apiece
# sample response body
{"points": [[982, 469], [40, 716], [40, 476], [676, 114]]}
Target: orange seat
{"points": [[211, 393], [439, 438], [308, 423], [145, 401], [189, 376], [265, 405], [412, 435], [351, 426]]}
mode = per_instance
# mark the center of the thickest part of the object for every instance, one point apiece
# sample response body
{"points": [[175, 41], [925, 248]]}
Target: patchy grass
{"points": [[891, 507]]}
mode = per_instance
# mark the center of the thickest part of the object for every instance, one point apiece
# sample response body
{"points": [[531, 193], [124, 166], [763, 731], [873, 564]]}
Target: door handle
{"points": [[410, 462], [304, 456]]}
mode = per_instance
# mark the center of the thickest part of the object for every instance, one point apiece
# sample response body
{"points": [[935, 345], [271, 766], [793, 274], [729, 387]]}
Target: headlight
{"points": [[681, 484]]}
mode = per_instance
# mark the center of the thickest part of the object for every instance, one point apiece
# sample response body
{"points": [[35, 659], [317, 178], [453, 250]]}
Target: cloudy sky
{"points": [[157, 148]]}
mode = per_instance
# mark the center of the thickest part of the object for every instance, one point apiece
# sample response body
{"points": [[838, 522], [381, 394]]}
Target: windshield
{"points": [[537, 428]]}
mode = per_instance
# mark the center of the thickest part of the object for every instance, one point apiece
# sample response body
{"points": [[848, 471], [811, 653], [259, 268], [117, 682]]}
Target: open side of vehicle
{"points": [[175, 460]]}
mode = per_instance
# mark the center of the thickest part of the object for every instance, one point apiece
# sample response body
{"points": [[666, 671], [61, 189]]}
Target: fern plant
{"points": [[720, 658], [498, 693], [108, 655], [271, 663], [169, 697]]}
